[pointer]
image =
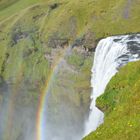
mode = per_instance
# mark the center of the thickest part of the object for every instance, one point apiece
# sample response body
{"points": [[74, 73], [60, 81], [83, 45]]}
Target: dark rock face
{"points": [[132, 43], [19, 33], [116, 40], [54, 6], [134, 48], [57, 42], [78, 42], [19, 36], [4, 62], [87, 41], [37, 17]]}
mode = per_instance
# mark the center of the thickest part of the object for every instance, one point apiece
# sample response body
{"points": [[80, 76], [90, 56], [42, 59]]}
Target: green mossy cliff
{"points": [[33, 36], [30, 30], [121, 105]]}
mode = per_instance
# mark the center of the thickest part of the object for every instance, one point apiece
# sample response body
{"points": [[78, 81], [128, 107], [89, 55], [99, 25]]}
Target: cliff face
{"points": [[33, 36], [31, 31]]}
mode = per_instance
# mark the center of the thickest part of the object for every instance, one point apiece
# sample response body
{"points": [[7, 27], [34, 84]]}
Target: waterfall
{"points": [[111, 54]]}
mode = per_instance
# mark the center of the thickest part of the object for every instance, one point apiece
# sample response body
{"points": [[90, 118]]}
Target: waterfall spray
{"points": [[111, 54]]}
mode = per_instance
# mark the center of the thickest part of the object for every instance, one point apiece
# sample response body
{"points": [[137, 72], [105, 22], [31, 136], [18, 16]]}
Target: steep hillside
{"points": [[34, 35], [30, 29], [121, 106]]}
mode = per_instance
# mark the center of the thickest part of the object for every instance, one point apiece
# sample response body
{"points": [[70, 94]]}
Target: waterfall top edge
{"points": [[127, 36]]}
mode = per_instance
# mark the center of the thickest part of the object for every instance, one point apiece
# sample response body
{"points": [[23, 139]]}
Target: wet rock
{"points": [[54, 6], [87, 41], [4, 62], [55, 42], [79, 42], [37, 17], [29, 52]]}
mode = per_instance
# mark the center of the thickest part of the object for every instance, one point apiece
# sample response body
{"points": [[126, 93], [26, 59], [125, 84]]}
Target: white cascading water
{"points": [[111, 54]]}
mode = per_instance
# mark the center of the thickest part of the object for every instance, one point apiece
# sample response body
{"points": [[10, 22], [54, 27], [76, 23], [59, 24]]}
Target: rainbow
{"points": [[42, 100]]}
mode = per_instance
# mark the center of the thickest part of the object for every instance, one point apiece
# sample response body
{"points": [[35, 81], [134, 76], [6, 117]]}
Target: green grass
{"points": [[76, 59], [71, 19], [27, 26], [5, 3], [121, 106], [11, 7], [34, 23]]}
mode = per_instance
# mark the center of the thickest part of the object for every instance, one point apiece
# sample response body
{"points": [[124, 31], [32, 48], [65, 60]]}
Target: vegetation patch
{"points": [[121, 106]]}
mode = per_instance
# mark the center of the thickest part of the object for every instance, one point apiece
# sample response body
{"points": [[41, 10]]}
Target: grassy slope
{"points": [[121, 105], [10, 7], [26, 27], [27, 62], [71, 19]]}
